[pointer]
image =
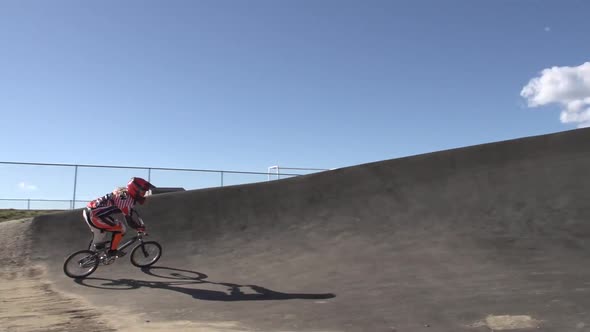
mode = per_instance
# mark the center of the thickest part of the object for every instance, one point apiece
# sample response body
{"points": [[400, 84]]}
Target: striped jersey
{"points": [[119, 199]]}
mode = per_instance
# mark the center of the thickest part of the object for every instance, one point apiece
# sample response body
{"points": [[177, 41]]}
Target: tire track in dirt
{"points": [[28, 302]]}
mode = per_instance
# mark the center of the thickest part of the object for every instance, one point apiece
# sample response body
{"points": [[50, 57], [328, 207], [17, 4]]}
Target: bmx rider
{"points": [[106, 214]]}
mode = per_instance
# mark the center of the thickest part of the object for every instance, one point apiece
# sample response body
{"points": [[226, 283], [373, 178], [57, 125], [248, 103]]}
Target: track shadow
{"points": [[184, 281]]}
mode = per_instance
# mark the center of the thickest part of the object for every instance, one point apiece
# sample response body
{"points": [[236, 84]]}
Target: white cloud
{"points": [[27, 186], [547, 29], [569, 87]]}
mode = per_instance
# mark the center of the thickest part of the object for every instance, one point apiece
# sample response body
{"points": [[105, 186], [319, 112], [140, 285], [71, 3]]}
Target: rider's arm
{"points": [[135, 221]]}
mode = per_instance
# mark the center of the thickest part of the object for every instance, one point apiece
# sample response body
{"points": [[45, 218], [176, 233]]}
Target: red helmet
{"points": [[137, 188]]}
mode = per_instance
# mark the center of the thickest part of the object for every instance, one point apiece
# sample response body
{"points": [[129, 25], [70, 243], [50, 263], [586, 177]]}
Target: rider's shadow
{"points": [[183, 280]]}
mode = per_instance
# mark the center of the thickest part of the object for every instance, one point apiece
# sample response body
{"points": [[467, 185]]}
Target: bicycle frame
{"points": [[132, 240], [99, 254]]}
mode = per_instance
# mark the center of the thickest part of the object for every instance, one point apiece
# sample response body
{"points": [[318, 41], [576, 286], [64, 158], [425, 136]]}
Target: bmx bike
{"points": [[83, 263]]}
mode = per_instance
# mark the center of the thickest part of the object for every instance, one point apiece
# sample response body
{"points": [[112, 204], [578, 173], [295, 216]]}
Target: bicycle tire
{"points": [[89, 266], [140, 252]]}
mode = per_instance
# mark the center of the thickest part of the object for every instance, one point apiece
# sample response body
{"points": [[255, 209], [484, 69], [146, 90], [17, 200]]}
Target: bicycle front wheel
{"points": [[81, 264], [146, 254]]}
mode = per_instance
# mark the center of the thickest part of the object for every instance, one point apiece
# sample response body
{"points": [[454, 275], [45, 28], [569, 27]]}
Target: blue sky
{"points": [[244, 85]]}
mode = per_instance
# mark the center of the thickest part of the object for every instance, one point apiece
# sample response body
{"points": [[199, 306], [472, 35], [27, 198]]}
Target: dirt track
{"points": [[31, 303], [28, 301], [486, 238]]}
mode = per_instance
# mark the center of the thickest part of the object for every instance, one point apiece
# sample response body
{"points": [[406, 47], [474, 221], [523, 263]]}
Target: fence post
{"points": [[28, 204], [149, 175], [222, 178], [75, 183]]}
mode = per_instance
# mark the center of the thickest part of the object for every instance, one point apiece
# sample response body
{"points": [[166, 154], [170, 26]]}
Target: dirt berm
{"points": [[484, 238]]}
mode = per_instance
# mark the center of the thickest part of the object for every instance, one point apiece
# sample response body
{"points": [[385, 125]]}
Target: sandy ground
{"points": [[29, 302]]}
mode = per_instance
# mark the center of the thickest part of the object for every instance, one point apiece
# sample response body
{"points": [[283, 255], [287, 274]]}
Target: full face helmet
{"points": [[137, 189]]}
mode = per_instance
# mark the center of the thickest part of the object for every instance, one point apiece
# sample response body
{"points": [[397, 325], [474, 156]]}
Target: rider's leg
{"points": [[118, 233], [110, 221], [118, 229], [98, 235]]}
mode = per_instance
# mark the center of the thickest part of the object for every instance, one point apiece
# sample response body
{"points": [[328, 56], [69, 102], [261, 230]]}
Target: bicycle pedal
{"points": [[109, 260]]}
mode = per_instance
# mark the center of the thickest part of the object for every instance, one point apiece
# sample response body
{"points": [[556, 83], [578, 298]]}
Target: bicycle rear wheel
{"points": [[81, 264], [146, 254]]}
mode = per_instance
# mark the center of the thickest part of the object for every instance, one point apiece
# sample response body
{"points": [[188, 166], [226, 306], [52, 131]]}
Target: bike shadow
{"points": [[183, 281]]}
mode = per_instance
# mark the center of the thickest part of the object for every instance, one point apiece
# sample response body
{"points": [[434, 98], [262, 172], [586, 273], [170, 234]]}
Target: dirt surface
{"points": [[486, 238], [13, 214], [29, 302]]}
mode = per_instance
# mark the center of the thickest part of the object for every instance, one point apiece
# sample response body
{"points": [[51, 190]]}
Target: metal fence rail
{"points": [[76, 167], [276, 170], [29, 200]]}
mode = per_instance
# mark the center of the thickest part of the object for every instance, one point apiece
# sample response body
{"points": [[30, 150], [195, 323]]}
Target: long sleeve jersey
{"points": [[118, 199]]}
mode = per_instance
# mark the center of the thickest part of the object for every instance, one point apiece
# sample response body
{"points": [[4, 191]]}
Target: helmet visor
{"points": [[141, 192]]}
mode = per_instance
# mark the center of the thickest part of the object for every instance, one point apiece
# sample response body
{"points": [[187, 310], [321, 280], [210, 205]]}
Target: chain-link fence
{"points": [[40, 186]]}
